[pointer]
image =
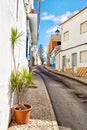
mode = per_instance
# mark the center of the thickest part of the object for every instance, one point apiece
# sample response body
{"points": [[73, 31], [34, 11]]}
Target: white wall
{"points": [[75, 41], [73, 26], [33, 17], [20, 50], [68, 54], [8, 20]]}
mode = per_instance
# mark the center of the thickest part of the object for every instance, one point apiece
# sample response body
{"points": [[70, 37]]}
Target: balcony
{"points": [[33, 20], [33, 15]]}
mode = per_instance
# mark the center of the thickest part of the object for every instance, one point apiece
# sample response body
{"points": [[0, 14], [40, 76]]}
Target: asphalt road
{"points": [[69, 99]]}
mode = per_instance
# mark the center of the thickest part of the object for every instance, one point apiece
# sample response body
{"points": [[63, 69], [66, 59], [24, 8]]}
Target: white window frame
{"points": [[84, 59], [66, 36], [83, 27]]}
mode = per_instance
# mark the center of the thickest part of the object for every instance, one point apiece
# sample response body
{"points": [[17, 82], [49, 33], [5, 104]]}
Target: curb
{"points": [[54, 122], [68, 76], [53, 117]]}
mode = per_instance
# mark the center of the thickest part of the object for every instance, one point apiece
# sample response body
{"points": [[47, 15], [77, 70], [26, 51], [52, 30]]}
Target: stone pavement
{"points": [[80, 79], [42, 114]]}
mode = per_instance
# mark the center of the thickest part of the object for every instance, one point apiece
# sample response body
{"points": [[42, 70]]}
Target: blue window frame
{"points": [[27, 45]]}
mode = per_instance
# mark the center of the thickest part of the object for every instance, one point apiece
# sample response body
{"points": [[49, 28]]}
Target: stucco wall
{"points": [[73, 26], [52, 45], [76, 43], [7, 21], [68, 54]]}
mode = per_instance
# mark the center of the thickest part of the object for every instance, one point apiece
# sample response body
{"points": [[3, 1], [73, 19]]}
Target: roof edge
{"points": [[74, 15]]}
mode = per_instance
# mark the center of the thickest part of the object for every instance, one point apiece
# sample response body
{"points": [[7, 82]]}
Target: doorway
{"points": [[63, 63], [74, 62]]}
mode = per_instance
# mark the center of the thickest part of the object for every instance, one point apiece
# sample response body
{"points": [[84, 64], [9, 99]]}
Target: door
{"points": [[63, 63], [74, 62]]}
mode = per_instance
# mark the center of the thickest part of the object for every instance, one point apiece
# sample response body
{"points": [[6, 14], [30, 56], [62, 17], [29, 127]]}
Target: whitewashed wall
{"points": [[75, 40], [8, 20], [73, 26], [68, 54]]}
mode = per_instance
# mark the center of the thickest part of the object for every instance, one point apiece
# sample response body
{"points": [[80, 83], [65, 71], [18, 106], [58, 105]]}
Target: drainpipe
{"points": [[29, 43], [30, 59]]}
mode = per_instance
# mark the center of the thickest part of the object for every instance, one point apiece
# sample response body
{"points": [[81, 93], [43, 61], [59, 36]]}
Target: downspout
{"points": [[29, 44]]}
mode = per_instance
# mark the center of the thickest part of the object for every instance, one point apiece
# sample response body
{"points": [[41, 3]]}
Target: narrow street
{"points": [[69, 99]]}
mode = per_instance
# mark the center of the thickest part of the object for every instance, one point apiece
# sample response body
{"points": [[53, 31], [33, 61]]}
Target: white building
{"points": [[54, 43], [36, 59], [73, 55], [12, 14], [33, 24]]}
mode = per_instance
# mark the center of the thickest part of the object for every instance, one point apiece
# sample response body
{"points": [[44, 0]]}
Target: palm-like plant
{"points": [[19, 82], [19, 79], [15, 39]]}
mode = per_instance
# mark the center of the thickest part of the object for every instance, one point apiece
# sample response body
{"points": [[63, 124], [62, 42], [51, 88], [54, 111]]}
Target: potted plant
{"points": [[19, 81]]}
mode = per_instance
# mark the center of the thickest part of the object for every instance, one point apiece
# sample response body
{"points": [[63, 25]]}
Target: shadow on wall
{"points": [[6, 102], [5, 107]]}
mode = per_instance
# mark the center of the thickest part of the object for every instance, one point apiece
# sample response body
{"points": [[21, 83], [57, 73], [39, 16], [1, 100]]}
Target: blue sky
{"points": [[54, 12]]}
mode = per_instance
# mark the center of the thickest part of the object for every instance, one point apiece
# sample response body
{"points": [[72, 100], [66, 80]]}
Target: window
{"points": [[66, 36], [83, 56], [83, 27], [58, 43]]}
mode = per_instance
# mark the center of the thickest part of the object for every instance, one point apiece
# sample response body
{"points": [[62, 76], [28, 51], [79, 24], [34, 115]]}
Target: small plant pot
{"points": [[32, 11], [22, 116]]}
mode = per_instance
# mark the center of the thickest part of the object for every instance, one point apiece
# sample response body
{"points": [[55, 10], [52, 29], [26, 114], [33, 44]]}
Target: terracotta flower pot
{"points": [[22, 116], [32, 11]]}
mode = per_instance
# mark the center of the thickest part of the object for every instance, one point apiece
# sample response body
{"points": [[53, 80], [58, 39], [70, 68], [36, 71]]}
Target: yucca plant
{"points": [[19, 80], [15, 40]]}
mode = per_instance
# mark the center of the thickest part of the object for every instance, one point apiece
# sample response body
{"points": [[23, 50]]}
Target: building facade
{"points": [[57, 57], [12, 14], [33, 23], [55, 40], [73, 54]]}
